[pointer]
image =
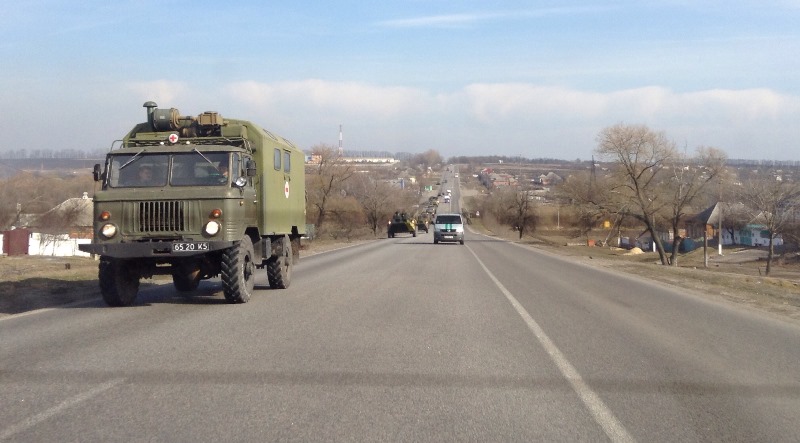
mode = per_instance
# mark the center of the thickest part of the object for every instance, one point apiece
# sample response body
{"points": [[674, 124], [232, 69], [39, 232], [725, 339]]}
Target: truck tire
{"points": [[119, 284], [413, 232], [238, 271], [186, 277], [279, 269]]}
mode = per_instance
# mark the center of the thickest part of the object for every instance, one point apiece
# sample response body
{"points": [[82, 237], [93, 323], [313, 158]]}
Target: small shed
{"points": [[15, 242]]}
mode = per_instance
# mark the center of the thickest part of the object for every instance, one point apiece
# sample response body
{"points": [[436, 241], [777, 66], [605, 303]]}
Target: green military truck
{"points": [[195, 198]]}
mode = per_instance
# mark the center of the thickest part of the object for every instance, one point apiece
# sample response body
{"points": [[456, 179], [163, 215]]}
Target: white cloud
{"points": [[478, 119], [350, 98], [514, 118], [463, 19], [160, 91], [434, 21]]}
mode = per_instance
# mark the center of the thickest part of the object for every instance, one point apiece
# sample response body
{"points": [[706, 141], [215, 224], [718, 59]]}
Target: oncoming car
{"points": [[448, 228]]}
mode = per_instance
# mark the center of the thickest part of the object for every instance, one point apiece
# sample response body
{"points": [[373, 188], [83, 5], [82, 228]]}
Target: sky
{"points": [[537, 79]]}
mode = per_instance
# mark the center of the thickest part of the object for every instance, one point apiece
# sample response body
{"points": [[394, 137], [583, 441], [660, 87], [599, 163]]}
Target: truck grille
{"points": [[161, 216]]}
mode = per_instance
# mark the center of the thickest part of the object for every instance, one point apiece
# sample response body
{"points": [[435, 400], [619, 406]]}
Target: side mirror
{"points": [[97, 172], [251, 168]]}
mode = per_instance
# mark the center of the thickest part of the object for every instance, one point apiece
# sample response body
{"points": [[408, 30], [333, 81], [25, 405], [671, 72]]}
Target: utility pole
{"points": [[341, 149], [719, 218]]}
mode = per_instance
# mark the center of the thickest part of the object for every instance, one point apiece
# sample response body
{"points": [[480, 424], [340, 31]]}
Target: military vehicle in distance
{"points": [[423, 220], [195, 198], [399, 223]]}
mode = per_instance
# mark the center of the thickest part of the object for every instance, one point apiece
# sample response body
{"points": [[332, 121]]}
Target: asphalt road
{"points": [[402, 340]]}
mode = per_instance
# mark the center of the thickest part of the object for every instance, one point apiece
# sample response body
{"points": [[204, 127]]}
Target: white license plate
{"points": [[194, 246]]}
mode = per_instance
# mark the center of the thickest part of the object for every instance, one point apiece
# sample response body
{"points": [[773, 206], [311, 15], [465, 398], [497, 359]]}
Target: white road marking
{"points": [[68, 403], [601, 413]]}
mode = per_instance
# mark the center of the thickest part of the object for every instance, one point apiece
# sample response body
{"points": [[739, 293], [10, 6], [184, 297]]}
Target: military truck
{"points": [[401, 222], [222, 197]]}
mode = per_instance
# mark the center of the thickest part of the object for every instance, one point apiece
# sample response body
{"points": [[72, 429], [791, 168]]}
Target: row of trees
{"points": [[647, 179], [644, 178], [340, 198], [20, 154], [352, 199], [653, 182], [37, 193]]}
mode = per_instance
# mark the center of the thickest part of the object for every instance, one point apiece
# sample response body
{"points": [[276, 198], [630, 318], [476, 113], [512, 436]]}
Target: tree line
{"points": [[653, 182], [642, 177]]}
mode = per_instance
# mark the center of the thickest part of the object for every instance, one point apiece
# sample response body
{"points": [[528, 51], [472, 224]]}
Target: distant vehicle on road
{"points": [[423, 220], [399, 223]]}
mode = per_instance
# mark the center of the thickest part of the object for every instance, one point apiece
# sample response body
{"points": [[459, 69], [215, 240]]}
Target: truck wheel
{"points": [[238, 271], [186, 277], [414, 233], [279, 269], [119, 284]]}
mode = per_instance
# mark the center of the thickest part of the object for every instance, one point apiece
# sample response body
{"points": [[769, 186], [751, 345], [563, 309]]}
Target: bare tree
{"points": [[346, 216], [325, 179], [773, 203], [515, 208], [688, 179], [642, 156], [36, 193], [428, 159], [589, 197], [377, 199]]}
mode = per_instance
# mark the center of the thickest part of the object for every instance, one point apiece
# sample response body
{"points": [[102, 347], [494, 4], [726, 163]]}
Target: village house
{"points": [[57, 232]]}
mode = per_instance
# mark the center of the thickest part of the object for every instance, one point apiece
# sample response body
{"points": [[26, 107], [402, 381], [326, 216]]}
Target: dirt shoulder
{"points": [[36, 282]]}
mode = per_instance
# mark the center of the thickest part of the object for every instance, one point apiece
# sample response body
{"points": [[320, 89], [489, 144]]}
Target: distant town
{"points": [[14, 161]]}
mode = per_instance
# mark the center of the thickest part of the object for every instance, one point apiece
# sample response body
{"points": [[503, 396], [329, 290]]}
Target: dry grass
{"points": [[34, 282]]}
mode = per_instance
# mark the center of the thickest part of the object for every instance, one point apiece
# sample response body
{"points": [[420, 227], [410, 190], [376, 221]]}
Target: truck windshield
{"points": [[134, 170], [448, 219], [196, 169], [179, 169]]}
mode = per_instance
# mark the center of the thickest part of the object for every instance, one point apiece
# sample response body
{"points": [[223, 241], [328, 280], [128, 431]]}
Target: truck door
{"points": [[249, 191]]}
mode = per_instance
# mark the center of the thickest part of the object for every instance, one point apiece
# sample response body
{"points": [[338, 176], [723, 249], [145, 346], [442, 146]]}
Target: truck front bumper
{"points": [[150, 249]]}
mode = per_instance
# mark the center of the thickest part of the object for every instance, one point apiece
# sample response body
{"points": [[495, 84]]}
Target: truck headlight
{"points": [[212, 228], [108, 230]]}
